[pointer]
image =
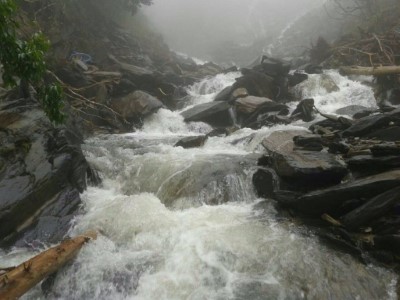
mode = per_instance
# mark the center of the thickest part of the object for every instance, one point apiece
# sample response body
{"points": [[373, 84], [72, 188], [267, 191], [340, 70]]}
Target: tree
{"points": [[24, 61]]}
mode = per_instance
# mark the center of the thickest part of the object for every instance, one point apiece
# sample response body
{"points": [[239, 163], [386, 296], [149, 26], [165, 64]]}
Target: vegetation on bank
{"points": [[23, 63], [23, 60], [370, 35]]}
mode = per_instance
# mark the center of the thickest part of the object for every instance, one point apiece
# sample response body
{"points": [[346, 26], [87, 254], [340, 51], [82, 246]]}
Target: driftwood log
{"points": [[374, 71], [22, 278]]}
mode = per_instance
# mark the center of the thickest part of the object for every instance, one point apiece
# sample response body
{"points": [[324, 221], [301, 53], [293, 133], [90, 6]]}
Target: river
{"points": [[186, 224]]}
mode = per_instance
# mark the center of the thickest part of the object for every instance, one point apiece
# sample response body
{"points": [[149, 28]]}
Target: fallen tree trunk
{"points": [[22, 278], [375, 71]]}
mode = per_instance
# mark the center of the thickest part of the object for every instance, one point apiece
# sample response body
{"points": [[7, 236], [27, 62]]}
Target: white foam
{"points": [[351, 92]]}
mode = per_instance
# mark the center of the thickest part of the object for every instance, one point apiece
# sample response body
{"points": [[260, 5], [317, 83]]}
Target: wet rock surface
{"points": [[302, 168], [344, 177], [192, 142], [214, 113], [136, 106], [42, 172]]}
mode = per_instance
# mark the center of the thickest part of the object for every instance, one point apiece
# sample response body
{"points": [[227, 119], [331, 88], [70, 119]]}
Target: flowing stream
{"points": [[186, 224]]}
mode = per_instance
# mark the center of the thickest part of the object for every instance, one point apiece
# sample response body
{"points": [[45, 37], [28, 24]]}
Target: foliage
{"points": [[52, 106], [25, 60]]}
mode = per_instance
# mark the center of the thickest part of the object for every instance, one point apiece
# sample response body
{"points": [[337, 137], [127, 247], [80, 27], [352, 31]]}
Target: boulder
{"points": [[385, 149], [329, 125], [373, 209], [364, 113], [351, 110], [331, 200], [297, 78], [338, 147], [304, 110], [390, 134], [136, 105], [214, 113], [192, 142], [268, 113], [257, 84], [221, 178], [367, 125], [229, 94], [265, 182], [250, 104], [373, 164], [266, 119], [224, 95], [309, 142], [303, 169], [273, 67]]}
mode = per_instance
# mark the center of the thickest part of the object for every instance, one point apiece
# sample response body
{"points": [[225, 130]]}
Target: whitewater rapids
{"points": [[185, 223]]}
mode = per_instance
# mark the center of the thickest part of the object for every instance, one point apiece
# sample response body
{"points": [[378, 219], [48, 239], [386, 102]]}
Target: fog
{"points": [[221, 29]]}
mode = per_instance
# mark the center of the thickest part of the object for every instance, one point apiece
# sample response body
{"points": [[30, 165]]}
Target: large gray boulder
{"points": [[136, 105], [303, 169], [256, 84], [250, 104], [214, 113]]}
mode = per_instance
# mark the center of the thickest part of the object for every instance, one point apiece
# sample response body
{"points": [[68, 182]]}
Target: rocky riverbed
{"points": [[204, 182]]}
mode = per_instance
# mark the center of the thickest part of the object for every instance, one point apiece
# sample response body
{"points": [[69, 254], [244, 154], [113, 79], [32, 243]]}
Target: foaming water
{"points": [[185, 223], [205, 90], [230, 251], [166, 122], [350, 92]]}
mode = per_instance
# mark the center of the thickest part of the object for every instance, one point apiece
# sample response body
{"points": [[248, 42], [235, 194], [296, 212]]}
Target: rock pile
{"points": [[346, 174], [256, 99]]}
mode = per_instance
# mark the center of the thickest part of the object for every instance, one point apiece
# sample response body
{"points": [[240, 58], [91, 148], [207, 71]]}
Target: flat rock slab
{"points": [[375, 208], [373, 163], [387, 134], [305, 168], [215, 113], [329, 200], [351, 110], [372, 123], [250, 104]]}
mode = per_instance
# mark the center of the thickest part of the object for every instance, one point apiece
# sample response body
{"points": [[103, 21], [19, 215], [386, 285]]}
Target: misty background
{"points": [[237, 31]]}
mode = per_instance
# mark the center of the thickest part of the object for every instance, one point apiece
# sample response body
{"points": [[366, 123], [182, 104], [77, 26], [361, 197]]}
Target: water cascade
{"points": [[185, 223]]}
